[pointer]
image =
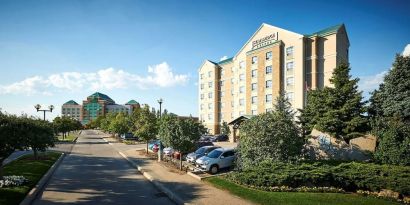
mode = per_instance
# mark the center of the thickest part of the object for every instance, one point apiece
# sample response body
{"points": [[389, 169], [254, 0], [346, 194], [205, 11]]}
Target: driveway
{"points": [[94, 173]]}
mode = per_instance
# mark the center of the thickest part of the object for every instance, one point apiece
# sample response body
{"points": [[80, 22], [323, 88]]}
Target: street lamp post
{"points": [[50, 109], [160, 101]]}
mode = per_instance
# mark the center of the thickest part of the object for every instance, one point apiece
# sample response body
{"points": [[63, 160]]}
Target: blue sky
{"points": [[54, 51]]}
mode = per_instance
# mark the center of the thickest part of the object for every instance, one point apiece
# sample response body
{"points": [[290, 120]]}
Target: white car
{"points": [[217, 159], [168, 151]]}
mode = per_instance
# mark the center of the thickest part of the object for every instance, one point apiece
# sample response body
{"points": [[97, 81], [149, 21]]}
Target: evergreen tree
{"points": [[338, 110], [225, 128], [283, 106]]}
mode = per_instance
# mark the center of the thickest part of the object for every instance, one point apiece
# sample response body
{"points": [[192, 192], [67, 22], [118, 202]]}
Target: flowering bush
{"points": [[8, 181]]}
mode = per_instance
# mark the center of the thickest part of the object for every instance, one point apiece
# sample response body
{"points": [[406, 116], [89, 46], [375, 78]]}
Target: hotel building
{"points": [[95, 105], [271, 61]]}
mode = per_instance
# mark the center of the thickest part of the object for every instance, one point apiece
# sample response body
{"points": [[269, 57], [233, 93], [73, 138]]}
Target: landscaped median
{"points": [[294, 198], [331, 181], [29, 168]]}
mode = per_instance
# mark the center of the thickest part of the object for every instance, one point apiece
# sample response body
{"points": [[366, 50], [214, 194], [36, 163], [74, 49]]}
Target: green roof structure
{"points": [[228, 60], [132, 102], [102, 96], [326, 31], [71, 102]]}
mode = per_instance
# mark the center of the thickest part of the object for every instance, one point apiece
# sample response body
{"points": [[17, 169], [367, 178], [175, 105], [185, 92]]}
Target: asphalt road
{"points": [[94, 173]]}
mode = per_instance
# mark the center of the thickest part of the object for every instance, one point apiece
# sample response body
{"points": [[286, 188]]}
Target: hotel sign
{"points": [[264, 41]]}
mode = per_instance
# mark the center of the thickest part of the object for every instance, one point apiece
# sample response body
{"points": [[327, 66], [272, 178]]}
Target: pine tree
{"points": [[338, 110]]}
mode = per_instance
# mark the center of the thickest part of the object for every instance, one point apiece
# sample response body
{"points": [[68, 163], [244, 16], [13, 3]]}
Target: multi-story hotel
{"points": [[95, 105], [271, 61]]}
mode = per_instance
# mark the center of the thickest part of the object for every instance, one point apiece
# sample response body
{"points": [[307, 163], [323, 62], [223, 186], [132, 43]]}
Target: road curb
{"points": [[32, 195], [174, 197]]}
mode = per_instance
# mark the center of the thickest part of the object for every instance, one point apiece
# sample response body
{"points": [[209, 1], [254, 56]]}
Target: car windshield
{"points": [[214, 154], [200, 150]]}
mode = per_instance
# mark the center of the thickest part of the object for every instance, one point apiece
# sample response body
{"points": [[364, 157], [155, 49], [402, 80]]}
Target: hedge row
{"points": [[350, 176]]}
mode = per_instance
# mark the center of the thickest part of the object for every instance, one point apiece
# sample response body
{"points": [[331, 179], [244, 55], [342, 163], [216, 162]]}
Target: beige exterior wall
{"points": [[313, 58], [73, 111]]}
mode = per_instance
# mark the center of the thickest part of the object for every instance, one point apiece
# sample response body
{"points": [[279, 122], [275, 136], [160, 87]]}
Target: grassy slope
{"points": [[68, 138], [288, 198], [31, 169]]}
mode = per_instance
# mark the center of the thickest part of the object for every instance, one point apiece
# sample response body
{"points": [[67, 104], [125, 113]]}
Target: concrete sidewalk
{"points": [[186, 188]]}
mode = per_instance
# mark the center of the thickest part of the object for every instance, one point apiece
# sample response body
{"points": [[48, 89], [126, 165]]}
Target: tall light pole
{"points": [[50, 109], [160, 101]]}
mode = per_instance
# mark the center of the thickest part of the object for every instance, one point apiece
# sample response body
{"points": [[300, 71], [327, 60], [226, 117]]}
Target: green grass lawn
{"points": [[33, 170], [68, 138], [288, 198]]}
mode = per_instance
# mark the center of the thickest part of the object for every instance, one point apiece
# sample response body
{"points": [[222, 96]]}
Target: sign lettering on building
{"points": [[264, 41]]}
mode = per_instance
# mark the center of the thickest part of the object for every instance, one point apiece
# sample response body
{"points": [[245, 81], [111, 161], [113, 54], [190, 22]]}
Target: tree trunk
{"points": [[180, 161], [147, 146], [35, 153], [1, 168]]}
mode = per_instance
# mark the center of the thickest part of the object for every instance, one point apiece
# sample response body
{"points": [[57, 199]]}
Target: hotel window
{"points": [[232, 104], [240, 113], [241, 89], [241, 77], [241, 64], [231, 115], [268, 98], [202, 96], [268, 70], [209, 84], [209, 73], [241, 101], [222, 93], [289, 67], [254, 86], [254, 72], [269, 55], [210, 117], [202, 76], [289, 96], [222, 72], [254, 59], [232, 69], [254, 99], [209, 95], [232, 92], [209, 105], [232, 80], [289, 52], [254, 112], [202, 86], [289, 81], [268, 84], [221, 83], [222, 105], [221, 116]]}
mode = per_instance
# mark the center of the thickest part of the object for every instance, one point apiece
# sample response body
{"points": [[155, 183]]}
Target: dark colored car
{"points": [[219, 138], [205, 138]]}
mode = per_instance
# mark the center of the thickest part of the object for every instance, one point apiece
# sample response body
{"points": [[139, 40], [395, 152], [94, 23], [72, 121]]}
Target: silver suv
{"points": [[217, 159]]}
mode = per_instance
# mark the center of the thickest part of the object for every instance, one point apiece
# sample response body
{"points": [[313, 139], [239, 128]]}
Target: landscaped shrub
{"points": [[350, 176]]}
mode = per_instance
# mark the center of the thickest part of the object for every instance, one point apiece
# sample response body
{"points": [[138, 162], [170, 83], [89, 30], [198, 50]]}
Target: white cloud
{"points": [[370, 83], [406, 51], [223, 58], [160, 75]]}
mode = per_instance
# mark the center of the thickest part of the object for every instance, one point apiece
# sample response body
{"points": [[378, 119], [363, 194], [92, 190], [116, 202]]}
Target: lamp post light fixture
{"points": [[160, 101], [38, 108]]}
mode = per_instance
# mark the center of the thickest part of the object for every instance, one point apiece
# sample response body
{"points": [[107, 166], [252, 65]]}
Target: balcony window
{"points": [[268, 84], [241, 89], [241, 64], [254, 73], [241, 77], [241, 102], [268, 70], [254, 59], [269, 55], [268, 98], [254, 86], [254, 99]]}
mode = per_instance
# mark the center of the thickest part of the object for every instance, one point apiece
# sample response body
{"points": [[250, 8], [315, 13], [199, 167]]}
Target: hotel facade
{"points": [[273, 60], [95, 105]]}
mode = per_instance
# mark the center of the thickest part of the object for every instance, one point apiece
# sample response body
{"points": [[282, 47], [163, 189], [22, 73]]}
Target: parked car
{"points": [[217, 159], [202, 151], [205, 138], [219, 138], [200, 144], [168, 151], [128, 136], [153, 145]]}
